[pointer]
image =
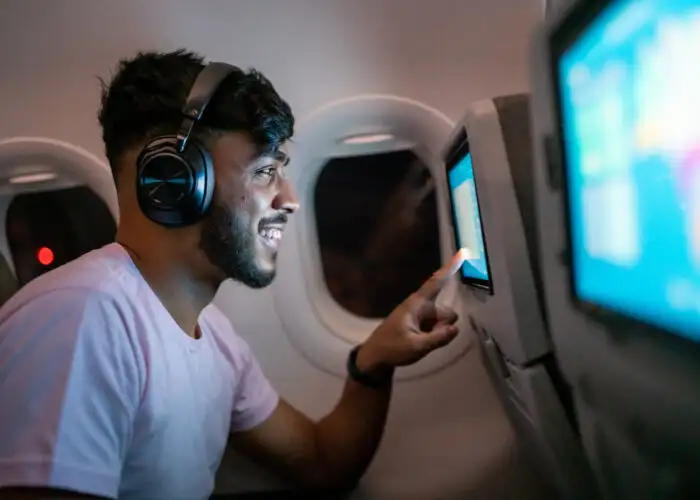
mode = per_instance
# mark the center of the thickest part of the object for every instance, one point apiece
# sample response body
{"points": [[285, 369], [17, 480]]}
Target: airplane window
{"points": [[50, 228], [377, 226]]}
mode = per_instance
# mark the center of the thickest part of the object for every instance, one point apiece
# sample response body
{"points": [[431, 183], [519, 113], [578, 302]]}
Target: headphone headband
{"points": [[203, 89]]}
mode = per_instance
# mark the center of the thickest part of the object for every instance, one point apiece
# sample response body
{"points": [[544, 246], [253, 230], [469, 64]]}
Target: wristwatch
{"points": [[376, 380]]}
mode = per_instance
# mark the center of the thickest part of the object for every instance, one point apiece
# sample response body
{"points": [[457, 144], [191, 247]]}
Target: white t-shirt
{"points": [[102, 392]]}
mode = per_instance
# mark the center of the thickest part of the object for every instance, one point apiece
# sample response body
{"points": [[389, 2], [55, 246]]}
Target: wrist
{"points": [[366, 369], [368, 362]]}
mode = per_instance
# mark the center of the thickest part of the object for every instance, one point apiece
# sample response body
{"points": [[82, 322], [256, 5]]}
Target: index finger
{"points": [[437, 281]]}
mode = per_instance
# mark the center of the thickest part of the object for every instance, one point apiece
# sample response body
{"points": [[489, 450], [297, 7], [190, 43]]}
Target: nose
{"points": [[286, 200]]}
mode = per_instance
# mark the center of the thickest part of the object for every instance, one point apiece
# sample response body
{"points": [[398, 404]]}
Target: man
{"points": [[117, 376]]}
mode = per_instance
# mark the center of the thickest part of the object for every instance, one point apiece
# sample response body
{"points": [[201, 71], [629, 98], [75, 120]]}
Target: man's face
{"points": [[252, 202]]}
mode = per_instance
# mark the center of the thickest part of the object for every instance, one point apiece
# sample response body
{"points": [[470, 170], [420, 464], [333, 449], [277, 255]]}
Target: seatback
{"points": [[635, 393], [512, 324], [8, 282]]}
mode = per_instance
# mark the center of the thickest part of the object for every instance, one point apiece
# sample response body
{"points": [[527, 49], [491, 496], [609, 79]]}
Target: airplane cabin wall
{"points": [[314, 51], [443, 53]]}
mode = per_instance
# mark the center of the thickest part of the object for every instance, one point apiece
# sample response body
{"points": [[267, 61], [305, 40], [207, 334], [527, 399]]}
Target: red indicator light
{"points": [[45, 256]]}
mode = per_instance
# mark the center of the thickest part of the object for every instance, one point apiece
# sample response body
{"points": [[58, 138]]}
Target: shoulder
{"points": [[69, 315], [71, 341]]}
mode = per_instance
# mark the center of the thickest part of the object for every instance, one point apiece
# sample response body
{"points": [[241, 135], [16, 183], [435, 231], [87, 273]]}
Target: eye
{"points": [[265, 172]]}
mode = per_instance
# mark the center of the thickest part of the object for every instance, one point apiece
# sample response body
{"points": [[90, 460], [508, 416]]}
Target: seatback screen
{"points": [[629, 88], [467, 219]]}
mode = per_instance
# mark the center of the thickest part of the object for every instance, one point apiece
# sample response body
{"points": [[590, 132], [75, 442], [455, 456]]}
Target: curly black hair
{"points": [[147, 93]]}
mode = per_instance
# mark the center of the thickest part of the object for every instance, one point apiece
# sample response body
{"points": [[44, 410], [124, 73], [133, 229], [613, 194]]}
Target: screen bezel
{"points": [[579, 17], [451, 162]]}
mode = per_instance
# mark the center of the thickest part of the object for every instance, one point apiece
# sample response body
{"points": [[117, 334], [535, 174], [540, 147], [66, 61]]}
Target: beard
{"points": [[229, 242]]}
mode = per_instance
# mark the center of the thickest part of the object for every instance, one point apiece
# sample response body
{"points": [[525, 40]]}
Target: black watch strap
{"points": [[373, 380]]}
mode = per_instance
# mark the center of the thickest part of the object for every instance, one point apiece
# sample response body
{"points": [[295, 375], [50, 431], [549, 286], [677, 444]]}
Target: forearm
{"points": [[348, 437], [334, 453]]}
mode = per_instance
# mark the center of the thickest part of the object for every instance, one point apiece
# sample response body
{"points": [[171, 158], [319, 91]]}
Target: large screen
{"points": [[629, 88], [467, 219]]}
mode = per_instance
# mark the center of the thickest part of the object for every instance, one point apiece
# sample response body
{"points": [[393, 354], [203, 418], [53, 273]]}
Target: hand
{"points": [[415, 328]]}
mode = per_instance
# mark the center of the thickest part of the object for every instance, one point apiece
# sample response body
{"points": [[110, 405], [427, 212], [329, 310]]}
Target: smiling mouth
{"points": [[271, 236]]}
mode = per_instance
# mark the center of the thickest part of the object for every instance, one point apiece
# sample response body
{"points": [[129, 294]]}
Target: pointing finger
{"points": [[437, 281]]}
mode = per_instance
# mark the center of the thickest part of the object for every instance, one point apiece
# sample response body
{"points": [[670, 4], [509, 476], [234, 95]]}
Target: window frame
{"points": [[320, 328], [73, 165]]}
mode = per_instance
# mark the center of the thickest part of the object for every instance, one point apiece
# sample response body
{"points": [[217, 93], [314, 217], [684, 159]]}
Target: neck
{"points": [[171, 277]]}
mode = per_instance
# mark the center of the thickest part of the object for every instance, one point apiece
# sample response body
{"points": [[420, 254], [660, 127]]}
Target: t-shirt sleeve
{"points": [[70, 386], [255, 397]]}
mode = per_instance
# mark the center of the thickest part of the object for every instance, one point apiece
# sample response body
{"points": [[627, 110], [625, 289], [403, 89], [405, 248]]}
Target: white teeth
{"points": [[271, 233]]}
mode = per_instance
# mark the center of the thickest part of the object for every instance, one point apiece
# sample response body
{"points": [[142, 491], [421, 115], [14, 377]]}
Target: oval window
{"points": [[377, 228], [49, 228]]}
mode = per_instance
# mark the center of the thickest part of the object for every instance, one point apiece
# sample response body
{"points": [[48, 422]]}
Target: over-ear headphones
{"points": [[175, 173]]}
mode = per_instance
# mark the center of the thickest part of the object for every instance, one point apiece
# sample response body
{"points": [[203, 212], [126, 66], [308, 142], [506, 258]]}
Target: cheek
{"points": [[232, 188], [234, 198], [247, 199], [257, 201]]}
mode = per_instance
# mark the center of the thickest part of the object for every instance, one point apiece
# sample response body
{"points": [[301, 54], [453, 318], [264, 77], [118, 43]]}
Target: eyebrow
{"points": [[281, 156], [277, 155]]}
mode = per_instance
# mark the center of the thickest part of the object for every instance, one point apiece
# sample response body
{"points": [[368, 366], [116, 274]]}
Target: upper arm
{"points": [[70, 387]]}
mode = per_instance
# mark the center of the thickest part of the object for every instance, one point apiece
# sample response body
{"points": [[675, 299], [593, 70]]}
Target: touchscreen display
{"points": [[467, 219], [630, 104]]}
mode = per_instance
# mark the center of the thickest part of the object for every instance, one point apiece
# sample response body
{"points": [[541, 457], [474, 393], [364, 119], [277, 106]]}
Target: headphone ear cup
{"points": [[174, 189]]}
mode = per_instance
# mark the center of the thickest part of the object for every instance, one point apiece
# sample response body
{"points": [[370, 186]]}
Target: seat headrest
{"points": [[8, 282]]}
